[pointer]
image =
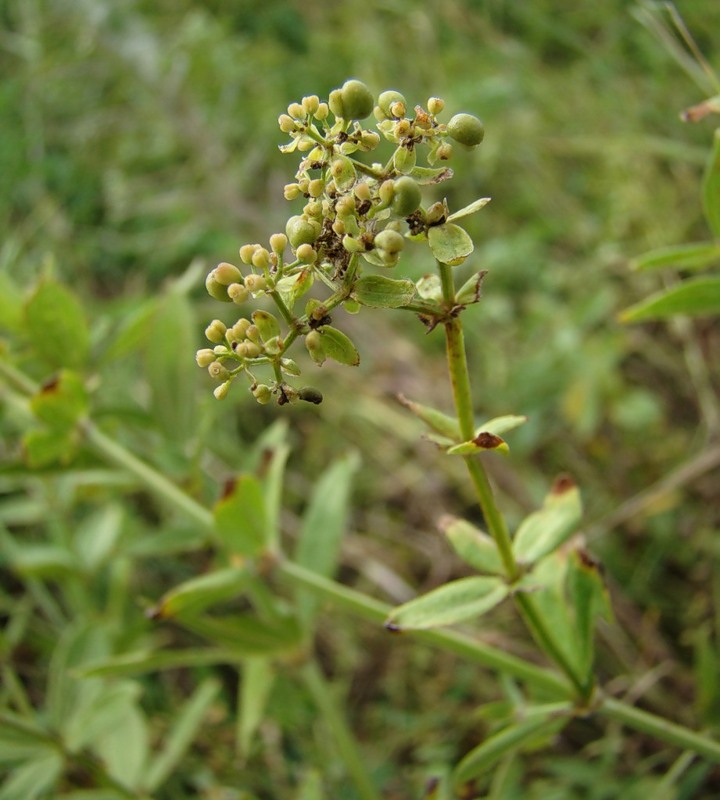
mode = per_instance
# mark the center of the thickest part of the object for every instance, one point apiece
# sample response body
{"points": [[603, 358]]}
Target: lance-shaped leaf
{"points": [[258, 677], [539, 722], [471, 209], [695, 298], [241, 518], [474, 546], [426, 176], [684, 256], [249, 634], [500, 425], [547, 529], [379, 291], [141, 662], [470, 291], [480, 443], [61, 402], [56, 321], [711, 188], [449, 243], [588, 598], [437, 421], [454, 602], [199, 593], [338, 346]]}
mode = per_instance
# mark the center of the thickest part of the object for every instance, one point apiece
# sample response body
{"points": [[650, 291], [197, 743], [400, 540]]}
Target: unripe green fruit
{"points": [[306, 253], [262, 393], [357, 100], [466, 129], [278, 242], [390, 241], [314, 345], [335, 103], [435, 105], [406, 196], [388, 99], [301, 231], [216, 290]]}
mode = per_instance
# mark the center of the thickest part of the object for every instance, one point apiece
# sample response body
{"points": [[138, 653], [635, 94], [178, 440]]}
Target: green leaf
{"points": [[45, 446], [241, 519], [454, 602], [429, 287], [694, 298], [471, 209], [21, 739], [450, 244], [474, 546], [338, 346], [11, 302], [250, 635], [684, 256], [499, 425], [55, 321], [44, 561], [143, 662], [426, 176], [483, 441], [98, 534], [258, 677], [379, 291], [711, 188], [185, 728], [61, 402], [545, 530], [437, 421], [323, 526], [293, 287], [588, 598], [125, 748], [34, 778], [470, 291], [105, 709], [201, 592], [172, 376], [542, 723]]}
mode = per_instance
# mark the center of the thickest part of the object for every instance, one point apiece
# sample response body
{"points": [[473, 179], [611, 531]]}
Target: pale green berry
{"points": [[289, 366], [314, 345], [466, 129], [306, 253], [215, 331], [301, 231], [226, 274], [345, 206], [313, 209], [335, 103], [352, 245], [391, 98], [444, 151], [369, 140], [291, 191], [220, 350], [362, 191], [204, 357], [386, 192], [390, 241], [316, 187], [357, 100], [406, 196], [262, 393]]}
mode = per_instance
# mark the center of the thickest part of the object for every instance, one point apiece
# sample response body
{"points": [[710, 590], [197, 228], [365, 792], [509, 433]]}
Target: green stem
{"points": [[661, 728], [341, 734]]}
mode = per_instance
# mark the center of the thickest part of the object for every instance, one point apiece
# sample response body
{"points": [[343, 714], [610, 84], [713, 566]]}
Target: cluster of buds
{"points": [[355, 212]]}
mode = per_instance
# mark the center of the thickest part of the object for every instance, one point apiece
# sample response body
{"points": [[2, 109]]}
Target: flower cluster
{"points": [[357, 215]]}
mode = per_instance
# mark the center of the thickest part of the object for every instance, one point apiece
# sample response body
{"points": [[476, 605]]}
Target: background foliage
{"points": [[139, 148]]}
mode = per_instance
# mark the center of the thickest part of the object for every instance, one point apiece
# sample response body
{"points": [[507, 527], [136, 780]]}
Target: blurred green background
{"points": [[138, 147]]}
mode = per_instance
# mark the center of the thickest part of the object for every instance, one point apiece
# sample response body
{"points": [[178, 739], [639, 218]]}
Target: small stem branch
{"points": [[340, 732], [661, 728]]}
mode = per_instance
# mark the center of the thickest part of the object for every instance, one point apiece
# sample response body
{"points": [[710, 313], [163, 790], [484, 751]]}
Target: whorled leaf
{"points": [[449, 243]]}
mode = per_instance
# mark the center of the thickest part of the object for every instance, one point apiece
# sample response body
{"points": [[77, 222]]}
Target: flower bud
{"points": [[215, 331], [261, 258], [238, 293], [406, 197], [262, 393], [435, 105], [301, 231], [313, 209], [322, 112], [252, 333], [239, 329], [296, 111], [466, 129], [287, 124], [357, 100], [291, 191], [402, 128], [390, 241], [362, 191], [248, 350], [436, 214], [255, 283], [369, 140], [311, 104], [391, 98], [278, 242], [218, 371], [204, 357], [314, 345], [342, 171], [216, 290], [221, 391], [345, 206], [306, 253], [316, 187], [226, 274], [220, 350], [444, 151], [386, 192], [246, 252]]}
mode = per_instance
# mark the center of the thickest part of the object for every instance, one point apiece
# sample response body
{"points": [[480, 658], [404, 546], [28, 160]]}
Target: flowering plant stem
{"points": [[366, 607], [462, 396]]}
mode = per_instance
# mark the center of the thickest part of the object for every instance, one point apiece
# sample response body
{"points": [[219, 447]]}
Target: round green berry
{"points": [[406, 196], [357, 100], [389, 241], [466, 129], [388, 99], [300, 230]]}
